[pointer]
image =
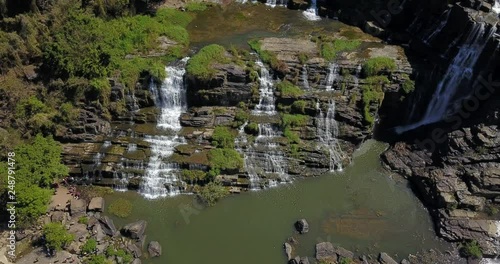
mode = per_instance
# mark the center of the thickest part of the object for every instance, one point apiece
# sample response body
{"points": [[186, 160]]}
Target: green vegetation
{"points": [[225, 159], [223, 137], [292, 137], [303, 57], [373, 93], [212, 192], [376, 65], [194, 176], [329, 50], [408, 85], [268, 56], [201, 64], [56, 236], [89, 247], [252, 128], [124, 255], [98, 259], [346, 261], [240, 118], [38, 165], [196, 6], [83, 220], [491, 210], [120, 207], [299, 107], [288, 120], [472, 249], [289, 90]]}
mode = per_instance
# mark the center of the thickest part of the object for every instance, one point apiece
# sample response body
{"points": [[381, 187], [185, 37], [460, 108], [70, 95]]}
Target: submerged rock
{"points": [[154, 249], [302, 226]]}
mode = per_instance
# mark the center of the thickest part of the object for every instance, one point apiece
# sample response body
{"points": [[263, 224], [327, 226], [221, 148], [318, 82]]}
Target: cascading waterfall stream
{"points": [[305, 77], [327, 130], [333, 75], [266, 93], [460, 72], [436, 31], [160, 179], [274, 3], [312, 12]]}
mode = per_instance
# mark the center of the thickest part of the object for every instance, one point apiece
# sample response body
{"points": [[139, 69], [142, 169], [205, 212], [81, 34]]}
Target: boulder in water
{"points": [[302, 226], [96, 204], [326, 252], [135, 230], [288, 250], [154, 249], [108, 226]]}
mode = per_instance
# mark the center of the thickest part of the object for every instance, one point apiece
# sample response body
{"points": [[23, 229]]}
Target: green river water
{"points": [[361, 209]]}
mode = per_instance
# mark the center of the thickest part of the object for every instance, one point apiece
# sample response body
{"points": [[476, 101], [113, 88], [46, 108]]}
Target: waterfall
{"points": [[160, 179], [496, 7], [274, 3], [249, 167], [333, 75], [305, 77], [459, 73], [440, 27], [327, 130], [312, 12], [266, 92]]}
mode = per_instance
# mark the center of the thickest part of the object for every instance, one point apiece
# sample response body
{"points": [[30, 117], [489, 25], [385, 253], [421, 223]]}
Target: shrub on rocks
{"points": [[56, 236], [378, 64]]}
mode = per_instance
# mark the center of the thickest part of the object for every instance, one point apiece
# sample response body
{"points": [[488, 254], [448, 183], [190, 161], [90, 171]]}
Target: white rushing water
{"points": [[274, 3], [333, 75], [496, 7], [459, 73], [327, 130], [266, 93], [305, 77], [312, 12], [160, 179]]}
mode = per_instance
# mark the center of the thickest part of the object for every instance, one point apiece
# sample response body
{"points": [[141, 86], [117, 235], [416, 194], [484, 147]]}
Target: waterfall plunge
{"points": [[160, 179], [327, 131], [496, 7], [460, 72], [312, 12]]}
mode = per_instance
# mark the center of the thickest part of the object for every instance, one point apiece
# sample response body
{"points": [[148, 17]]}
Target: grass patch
{"points": [[212, 192], [120, 207], [252, 128], [299, 107], [196, 6], [289, 120], [289, 90], [293, 138], [408, 85], [200, 65], [329, 50], [376, 65], [193, 176], [90, 246]]}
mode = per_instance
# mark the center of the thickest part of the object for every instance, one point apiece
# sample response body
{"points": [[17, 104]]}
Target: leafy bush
{"points": [[240, 118], [56, 236], [223, 137], [472, 249], [200, 65], [329, 50], [378, 64], [225, 159], [120, 207], [288, 120], [212, 192], [408, 85], [252, 128], [287, 89], [89, 247], [196, 6]]}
